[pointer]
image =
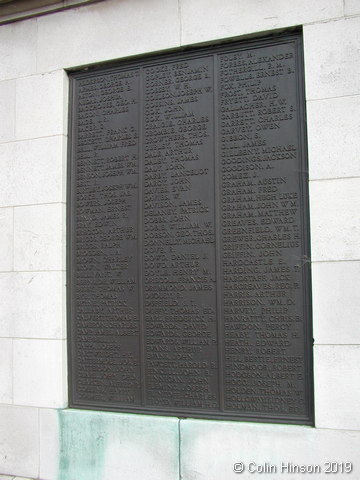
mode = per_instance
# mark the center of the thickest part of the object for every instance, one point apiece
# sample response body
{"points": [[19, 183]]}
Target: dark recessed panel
{"points": [[188, 235]]}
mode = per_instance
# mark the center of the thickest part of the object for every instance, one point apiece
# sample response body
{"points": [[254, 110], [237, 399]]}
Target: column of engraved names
{"points": [[179, 256], [261, 228], [105, 244]]}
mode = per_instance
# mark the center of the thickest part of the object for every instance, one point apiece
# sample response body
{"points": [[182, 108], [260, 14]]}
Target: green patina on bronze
{"points": [[82, 445], [99, 445]]}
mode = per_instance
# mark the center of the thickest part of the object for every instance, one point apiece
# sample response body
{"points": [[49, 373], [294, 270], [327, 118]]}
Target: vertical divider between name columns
{"points": [[218, 267], [140, 237]]}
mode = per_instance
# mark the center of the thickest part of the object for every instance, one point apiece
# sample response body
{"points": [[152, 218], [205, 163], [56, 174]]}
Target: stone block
{"points": [[18, 49], [336, 306], [49, 443], [7, 110], [37, 305], [39, 242], [6, 239], [210, 449], [333, 137], [41, 105], [40, 373], [206, 20], [332, 58], [352, 7], [19, 441], [337, 386], [33, 305], [5, 370], [34, 171], [123, 29], [335, 219], [6, 288]]}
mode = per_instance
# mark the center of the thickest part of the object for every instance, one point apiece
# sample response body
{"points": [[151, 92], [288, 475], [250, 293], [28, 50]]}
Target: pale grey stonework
{"points": [[36, 435]]}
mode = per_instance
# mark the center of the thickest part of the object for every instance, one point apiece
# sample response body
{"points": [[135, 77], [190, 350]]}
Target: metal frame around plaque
{"points": [[188, 235]]}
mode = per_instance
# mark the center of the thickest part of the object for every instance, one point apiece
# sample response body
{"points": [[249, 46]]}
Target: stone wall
{"points": [[39, 437]]}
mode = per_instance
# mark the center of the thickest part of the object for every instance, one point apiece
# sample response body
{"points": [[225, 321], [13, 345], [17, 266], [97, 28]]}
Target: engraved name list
{"points": [[188, 235]]}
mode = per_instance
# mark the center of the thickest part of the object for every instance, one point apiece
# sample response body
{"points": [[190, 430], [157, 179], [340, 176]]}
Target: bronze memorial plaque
{"points": [[188, 257]]}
